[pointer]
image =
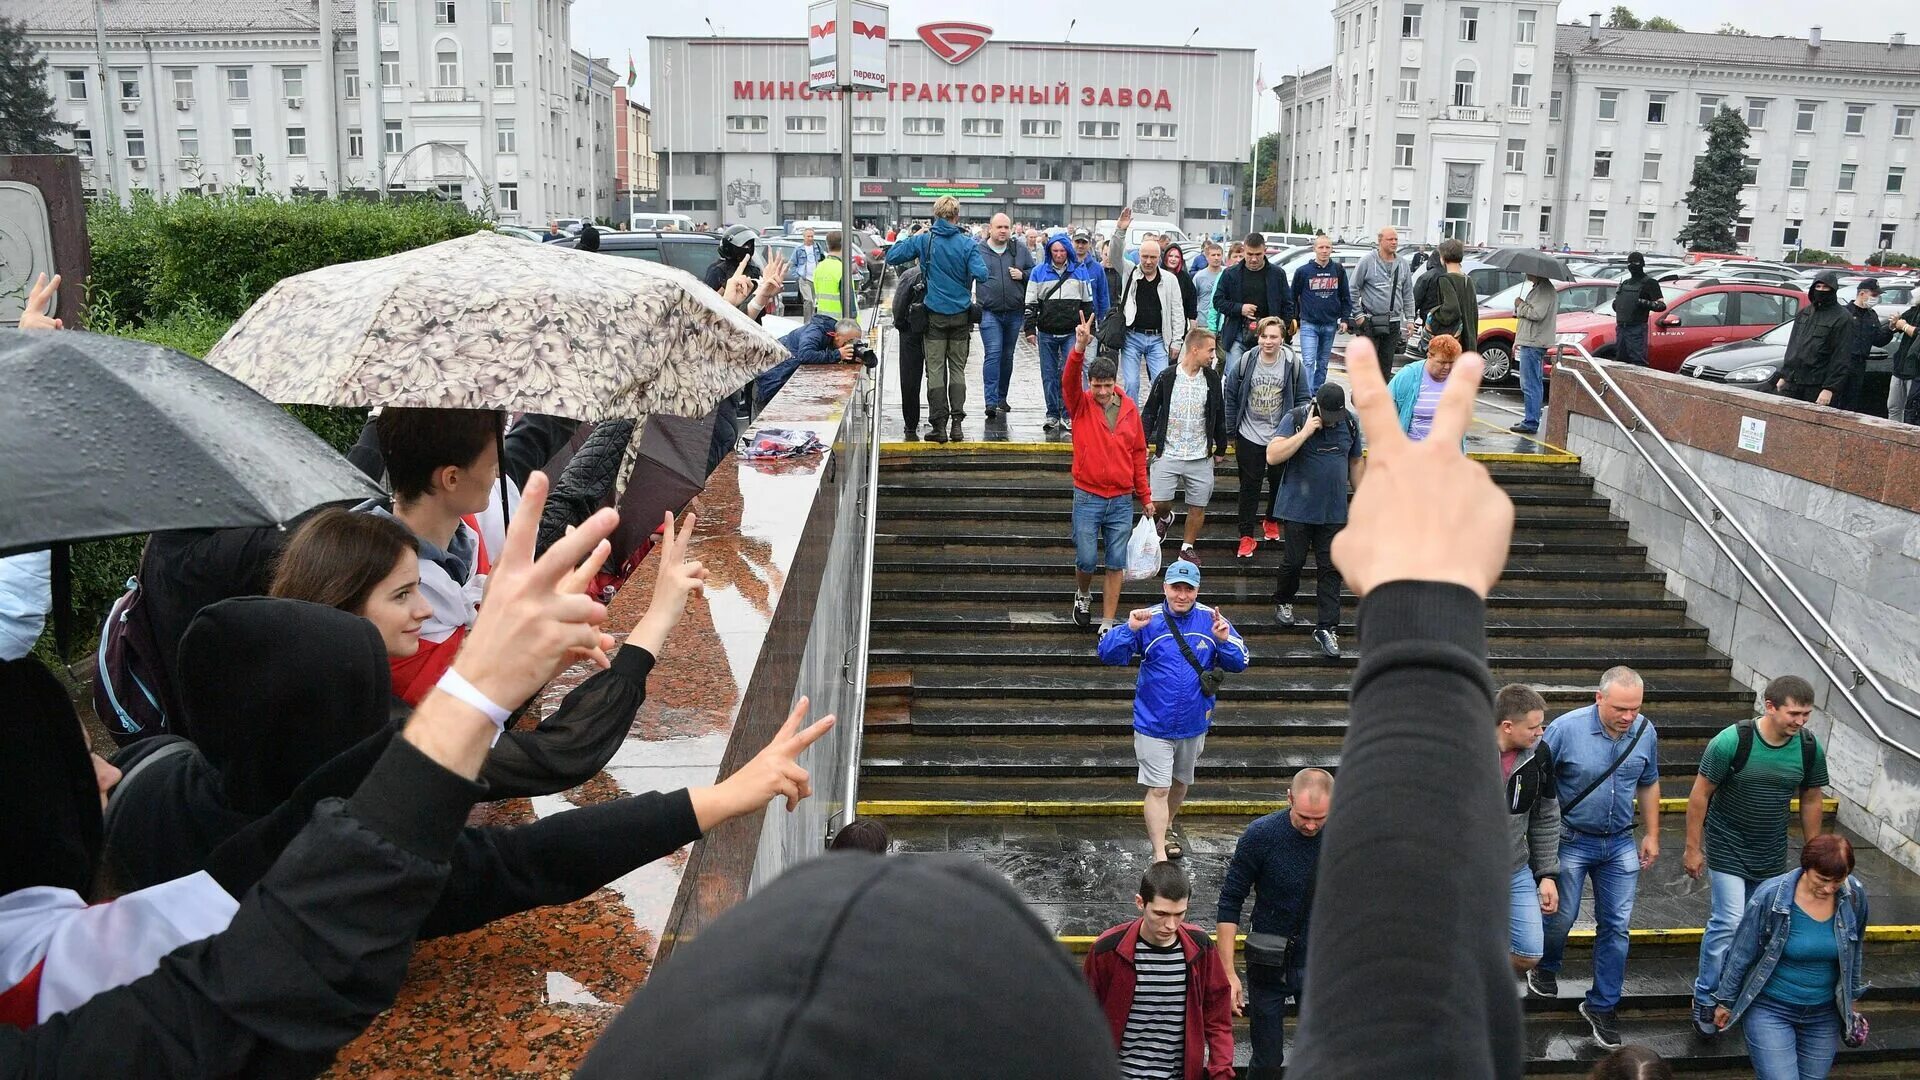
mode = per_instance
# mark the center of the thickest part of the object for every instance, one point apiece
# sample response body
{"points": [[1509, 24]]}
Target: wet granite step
{"points": [[1271, 674], [929, 590], [1502, 623], [1664, 696], [934, 467], [934, 506], [1057, 633], [887, 754], [1216, 548], [1108, 790], [1224, 500], [1027, 568]]}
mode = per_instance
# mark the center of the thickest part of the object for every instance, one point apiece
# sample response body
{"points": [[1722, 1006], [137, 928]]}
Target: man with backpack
{"points": [[1059, 296], [1319, 444], [1261, 390], [951, 264], [1737, 817]]}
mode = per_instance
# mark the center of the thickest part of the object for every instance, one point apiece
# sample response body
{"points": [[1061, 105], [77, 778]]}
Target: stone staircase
{"points": [[993, 730]]}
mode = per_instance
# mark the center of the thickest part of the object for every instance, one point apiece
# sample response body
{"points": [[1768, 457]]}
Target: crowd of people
{"points": [[213, 897]]}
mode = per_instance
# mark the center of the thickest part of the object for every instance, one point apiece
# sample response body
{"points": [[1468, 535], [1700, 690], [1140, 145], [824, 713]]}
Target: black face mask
{"points": [[1822, 297]]}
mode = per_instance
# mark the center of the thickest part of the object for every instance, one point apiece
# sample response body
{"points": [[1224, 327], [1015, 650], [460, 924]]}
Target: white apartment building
{"points": [[1832, 138], [1431, 118], [1489, 122], [477, 99]]}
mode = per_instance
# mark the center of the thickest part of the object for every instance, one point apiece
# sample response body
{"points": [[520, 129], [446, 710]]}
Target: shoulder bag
{"points": [[1567, 807], [1113, 329], [1210, 677]]}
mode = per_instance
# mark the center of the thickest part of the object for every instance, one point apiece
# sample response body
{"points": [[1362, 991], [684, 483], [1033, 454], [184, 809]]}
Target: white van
{"points": [[674, 222], [1138, 229], [819, 226]]}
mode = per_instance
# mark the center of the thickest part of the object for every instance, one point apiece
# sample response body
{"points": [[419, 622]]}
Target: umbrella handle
{"points": [[500, 450]]}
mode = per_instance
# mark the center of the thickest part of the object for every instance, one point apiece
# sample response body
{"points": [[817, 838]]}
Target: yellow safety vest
{"points": [[826, 285]]}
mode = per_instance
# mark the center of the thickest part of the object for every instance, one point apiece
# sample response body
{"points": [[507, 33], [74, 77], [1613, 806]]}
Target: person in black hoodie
{"points": [[1868, 334], [1819, 350], [864, 967], [1176, 261], [1637, 297]]}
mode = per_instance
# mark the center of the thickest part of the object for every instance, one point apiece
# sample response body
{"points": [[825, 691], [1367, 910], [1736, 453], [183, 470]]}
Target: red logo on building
{"points": [[955, 41]]}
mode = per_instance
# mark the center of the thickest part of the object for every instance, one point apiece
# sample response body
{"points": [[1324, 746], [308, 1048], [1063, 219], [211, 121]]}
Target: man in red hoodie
{"points": [[1162, 986], [1109, 472]]}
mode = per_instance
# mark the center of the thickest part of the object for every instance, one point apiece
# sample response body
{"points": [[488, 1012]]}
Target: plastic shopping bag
{"points": [[1143, 551]]}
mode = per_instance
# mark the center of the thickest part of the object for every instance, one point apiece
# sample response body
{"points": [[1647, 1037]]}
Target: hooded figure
{"points": [[1818, 359], [1176, 261], [48, 796], [589, 238], [856, 966], [310, 725], [1636, 299]]}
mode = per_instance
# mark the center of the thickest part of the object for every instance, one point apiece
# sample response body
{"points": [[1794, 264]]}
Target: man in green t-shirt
{"points": [[1739, 806]]}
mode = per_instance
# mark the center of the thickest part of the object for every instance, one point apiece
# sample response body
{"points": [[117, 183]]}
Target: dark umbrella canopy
{"points": [[1529, 262], [106, 437]]}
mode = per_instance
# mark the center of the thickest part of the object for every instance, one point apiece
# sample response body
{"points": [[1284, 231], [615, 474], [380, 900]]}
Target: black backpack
{"points": [[129, 679], [1744, 750], [914, 319]]}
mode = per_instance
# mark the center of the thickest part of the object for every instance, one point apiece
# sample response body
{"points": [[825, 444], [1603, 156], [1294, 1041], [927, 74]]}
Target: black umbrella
{"points": [[1529, 262], [105, 437]]}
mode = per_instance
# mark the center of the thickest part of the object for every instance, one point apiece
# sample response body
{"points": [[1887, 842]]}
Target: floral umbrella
{"points": [[492, 322]]}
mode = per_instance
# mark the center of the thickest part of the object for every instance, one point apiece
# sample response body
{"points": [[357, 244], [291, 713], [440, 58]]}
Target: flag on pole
{"points": [[633, 73], [1260, 83], [590, 90]]}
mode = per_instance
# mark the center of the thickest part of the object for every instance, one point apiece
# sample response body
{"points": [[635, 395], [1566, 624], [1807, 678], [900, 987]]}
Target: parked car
{"points": [[796, 296], [1347, 255], [1699, 314], [520, 233], [1499, 325], [689, 251], [1755, 362]]}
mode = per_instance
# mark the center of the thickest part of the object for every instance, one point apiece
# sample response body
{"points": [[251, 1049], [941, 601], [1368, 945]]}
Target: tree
{"points": [[1731, 30], [1622, 18], [1261, 191], [27, 123], [1662, 24], [1714, 197]]}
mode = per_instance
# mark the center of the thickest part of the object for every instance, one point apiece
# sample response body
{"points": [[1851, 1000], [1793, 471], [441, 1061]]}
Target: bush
{"points": [[1816, 256]]}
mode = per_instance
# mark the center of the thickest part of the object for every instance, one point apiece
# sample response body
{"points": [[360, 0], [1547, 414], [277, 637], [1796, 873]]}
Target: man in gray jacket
{"points": [[1382, 289], [1537, 310], [1533, 820]]}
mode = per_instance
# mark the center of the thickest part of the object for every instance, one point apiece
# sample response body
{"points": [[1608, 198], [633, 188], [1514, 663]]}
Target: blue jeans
{"points": [[1526, 927], [1053, 366], [1729, 894], [1316, 349], [999, 332], [1614, 864], [1533, 361], [1791, 1042], [1097, 518], [1141, 347]]}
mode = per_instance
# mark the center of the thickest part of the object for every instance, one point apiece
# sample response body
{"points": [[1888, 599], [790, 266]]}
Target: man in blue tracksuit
{"points": [[951, 263], [823, 339], [1320, 294], [1171, 704], [1059, 295]]}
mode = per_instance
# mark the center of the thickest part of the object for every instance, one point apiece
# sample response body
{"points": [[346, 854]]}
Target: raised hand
{"points": [[1425, 489], [1221, 627], [774, 772], [1083, 333], [40, 300], [1138, 618], [677, 579]]}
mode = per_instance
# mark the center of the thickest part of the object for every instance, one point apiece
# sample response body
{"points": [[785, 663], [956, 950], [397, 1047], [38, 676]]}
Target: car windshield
{"points": [[1137, 234], [1503, 300]]}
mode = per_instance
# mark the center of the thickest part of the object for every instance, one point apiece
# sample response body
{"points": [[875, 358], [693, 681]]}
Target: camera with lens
{"points": [[864, 353]]}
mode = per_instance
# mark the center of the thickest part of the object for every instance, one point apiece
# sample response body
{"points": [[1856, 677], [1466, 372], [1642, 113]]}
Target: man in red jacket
{"points": [[1109, 472], [1162, 986]]}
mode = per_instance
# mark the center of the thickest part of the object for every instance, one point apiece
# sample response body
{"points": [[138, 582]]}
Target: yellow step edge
{"points": [[1690, 935], [1558, 457], [1192, 808]]}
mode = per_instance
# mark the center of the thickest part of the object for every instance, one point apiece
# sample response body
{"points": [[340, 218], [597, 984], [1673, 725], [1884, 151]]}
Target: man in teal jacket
{"points": [[951, 263]]}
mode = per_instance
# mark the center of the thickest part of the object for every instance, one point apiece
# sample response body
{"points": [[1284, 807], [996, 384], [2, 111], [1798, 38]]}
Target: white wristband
{"points": [[456, 685]]}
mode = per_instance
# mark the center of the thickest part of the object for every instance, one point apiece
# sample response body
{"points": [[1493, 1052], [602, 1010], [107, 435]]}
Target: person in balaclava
{"points": [[1637, 298], [736, 244], [1818, 359], [855, 966], [589, 238], [1869, 333]]}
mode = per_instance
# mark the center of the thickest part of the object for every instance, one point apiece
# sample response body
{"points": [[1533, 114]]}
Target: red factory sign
{"points": [[1124, 97], [955, 41]]}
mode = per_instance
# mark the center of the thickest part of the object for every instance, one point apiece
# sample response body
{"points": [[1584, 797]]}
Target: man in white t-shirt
{"points": [[1186, 427]]}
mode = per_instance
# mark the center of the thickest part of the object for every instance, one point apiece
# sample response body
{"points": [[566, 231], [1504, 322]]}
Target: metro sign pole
{"points": [[856, 32]]}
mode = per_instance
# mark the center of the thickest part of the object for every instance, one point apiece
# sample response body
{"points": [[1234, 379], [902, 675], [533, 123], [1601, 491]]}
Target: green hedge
{"points": [[178, 272]]}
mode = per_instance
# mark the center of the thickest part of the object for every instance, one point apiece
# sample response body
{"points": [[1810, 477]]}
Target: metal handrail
{"points": [[1861, 673], [870, 515]]}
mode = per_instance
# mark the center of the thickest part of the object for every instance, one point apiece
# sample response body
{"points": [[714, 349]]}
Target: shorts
{"points": [[1163, 761], [1526, 927], [1194, 478], [1097, 518]]}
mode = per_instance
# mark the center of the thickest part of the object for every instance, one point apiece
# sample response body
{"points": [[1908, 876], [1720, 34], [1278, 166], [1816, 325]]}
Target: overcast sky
{"points": [[1302, 38]]}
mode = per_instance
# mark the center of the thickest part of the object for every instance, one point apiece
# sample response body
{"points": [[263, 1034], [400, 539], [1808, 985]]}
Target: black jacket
{"points": [[1819, 351], [1228, 296], [1189, 299], [1000, 293], [1153, 417], [1636, 297], [1869, 332], [1906, 350], [1426, 290], [1458, 309]]}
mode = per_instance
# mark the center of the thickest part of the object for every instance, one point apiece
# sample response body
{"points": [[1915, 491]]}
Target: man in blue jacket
{"points": [[1321, 296], [1247, 292], [1172, 706], [951, 263], [824, 339]]}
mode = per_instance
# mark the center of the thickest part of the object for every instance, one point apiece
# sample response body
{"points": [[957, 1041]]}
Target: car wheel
{"points": [[1499, 361]]}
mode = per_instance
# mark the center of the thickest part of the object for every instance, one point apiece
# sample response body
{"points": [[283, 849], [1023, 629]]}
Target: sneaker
{"points": [[1247, 544], [1543, 983], [1703, 1024], [1066, 423], [1606, 1029], [1187, 553], [1283, 614], [1271, 530], [1329, 642], [1050, 426], [1524, 428], [1106, 625], [1083, 609], [1163, 522]]}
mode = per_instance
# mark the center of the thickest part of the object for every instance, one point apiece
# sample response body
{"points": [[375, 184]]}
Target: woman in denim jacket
{"points": [[1793, 971]]}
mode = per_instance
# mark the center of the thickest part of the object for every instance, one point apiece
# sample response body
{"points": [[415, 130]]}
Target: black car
{"points": [[692, 252], [796, 296]]}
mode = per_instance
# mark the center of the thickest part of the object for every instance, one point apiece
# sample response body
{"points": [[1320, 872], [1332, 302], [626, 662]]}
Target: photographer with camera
{"points": [[825, 339]]}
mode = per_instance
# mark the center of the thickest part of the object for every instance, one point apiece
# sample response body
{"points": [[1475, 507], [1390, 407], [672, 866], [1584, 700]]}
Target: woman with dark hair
{"points": [[1631, 1063], [1176, 261], [363, 564], [1793, 972]]}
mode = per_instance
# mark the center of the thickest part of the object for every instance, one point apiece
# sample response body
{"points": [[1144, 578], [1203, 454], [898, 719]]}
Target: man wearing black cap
{"points": [[1320, 444], [1868, 334], [1817, 361], [1637, 297]]}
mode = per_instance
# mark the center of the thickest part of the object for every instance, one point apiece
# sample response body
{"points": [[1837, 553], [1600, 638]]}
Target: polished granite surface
{"points": [[527, 995]]}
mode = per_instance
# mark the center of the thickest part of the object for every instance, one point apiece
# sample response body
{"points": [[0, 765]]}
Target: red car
{"points": [[1698, 315]]}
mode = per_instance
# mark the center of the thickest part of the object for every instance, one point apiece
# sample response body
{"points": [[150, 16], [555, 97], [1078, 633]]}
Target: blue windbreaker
{"points": [[949, 260], [1168, 702]]}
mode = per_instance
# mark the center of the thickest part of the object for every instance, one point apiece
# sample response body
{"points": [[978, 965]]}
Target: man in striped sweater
{"points": [[1161, 984]]}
